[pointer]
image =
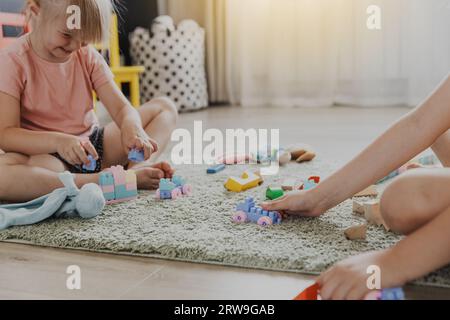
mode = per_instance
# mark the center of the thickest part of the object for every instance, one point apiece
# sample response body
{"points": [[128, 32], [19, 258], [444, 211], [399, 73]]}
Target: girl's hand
{"points": [[73, 149], [134, 137], [347, 280], [301, 203]]}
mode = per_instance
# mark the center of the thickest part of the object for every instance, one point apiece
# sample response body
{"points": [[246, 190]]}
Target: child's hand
{"points": [[73, 149], [301, 203], [347, 280], [136, 138]]}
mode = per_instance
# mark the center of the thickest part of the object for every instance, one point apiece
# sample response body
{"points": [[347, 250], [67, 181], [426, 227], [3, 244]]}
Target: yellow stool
{"points": [[122, 74]]}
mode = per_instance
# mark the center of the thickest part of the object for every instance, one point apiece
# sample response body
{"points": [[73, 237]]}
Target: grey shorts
{"points": [[96, 138]]}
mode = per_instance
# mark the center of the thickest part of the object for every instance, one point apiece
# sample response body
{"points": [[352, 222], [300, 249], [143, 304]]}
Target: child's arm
{"points": [[422, 252], [405, 139], [127, 119], [15, 139]]}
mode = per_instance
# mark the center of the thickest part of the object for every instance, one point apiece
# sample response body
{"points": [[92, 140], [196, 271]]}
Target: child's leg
{"points": [[415, 198], [25, 178], [159, 118], [441, 148]]}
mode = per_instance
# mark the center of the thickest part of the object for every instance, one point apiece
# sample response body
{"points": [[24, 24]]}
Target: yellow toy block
{"points": [[247, 181], [131, 176]]}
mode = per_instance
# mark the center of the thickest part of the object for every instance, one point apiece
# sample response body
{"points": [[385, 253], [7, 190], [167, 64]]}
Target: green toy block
{"points": [[273, 193]]}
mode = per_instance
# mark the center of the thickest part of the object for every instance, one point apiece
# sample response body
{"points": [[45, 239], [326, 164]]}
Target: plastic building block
{"points": [[427, 160], [386, 294], [234, 159], [118, 185], [289, 184], [247, 181], [311, 183], [392, 294], [247, 211], [92, 164], [273, 193], [310, 293], [173, 189], [136, 155], [215, 169]]}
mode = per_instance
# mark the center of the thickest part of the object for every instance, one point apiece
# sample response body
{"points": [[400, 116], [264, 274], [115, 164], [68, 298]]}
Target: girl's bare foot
{"points": [[148, 176]]}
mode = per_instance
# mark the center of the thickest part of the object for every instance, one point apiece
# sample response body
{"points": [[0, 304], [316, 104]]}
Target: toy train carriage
{"points": [[173, 189], [118, 185], [247, 211]]}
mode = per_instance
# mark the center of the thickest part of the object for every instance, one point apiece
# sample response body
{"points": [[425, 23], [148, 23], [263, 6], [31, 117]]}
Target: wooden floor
{"points": [[29, 272]]}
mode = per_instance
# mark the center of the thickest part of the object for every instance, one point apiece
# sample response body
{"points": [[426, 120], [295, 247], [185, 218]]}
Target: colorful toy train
{"points": [[173, 188], [247, 211]]}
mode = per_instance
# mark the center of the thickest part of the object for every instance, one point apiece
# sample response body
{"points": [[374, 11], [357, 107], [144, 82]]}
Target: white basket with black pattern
{"points": [[174, 60]]}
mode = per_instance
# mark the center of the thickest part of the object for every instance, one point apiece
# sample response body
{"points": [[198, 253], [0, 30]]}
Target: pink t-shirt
{"points": [[53, 96]]}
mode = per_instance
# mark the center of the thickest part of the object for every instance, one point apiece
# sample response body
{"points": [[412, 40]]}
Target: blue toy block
{"points": [[123, 193], [106, 179], [136, 155], [178, 181], [92, 164], [164, 194], [254, 213], [246, 206], [215, 169], [166, 185], [109, 196], [392, 294]]}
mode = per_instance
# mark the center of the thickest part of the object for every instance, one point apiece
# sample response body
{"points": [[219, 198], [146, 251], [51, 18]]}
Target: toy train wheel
{"points": [[158, 194], [187, 189], [176, 193], [265, 221], [240, 217]]}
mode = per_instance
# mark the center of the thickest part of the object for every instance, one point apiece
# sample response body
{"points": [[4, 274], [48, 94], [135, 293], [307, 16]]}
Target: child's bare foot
{"points": [[148, 175]]}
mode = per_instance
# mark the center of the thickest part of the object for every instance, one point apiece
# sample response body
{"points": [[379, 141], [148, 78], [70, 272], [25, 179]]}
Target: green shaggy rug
{"points": [[199, 229]]}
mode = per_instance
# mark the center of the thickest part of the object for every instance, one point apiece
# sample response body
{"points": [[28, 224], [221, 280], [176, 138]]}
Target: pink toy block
{"points": [[131, 177], [234, 159], [108, 189], [119, 175], [131, 186]]}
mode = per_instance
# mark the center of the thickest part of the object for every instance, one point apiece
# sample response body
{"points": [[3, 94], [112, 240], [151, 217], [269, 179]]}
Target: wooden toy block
{"points": [[284, 157], [247, 181], [215, 169], [370, 191], [297, 152], [273, 193], [372, 212], [358, 207], [310, 293], [289, 184], [356, 232], [308, 156]]}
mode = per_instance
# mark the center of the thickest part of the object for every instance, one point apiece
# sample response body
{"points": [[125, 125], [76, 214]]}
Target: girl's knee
{"points": [[402, 203], [164, 104]]}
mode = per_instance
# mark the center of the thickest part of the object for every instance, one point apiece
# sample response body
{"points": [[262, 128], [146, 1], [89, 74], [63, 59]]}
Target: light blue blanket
{"points": [[64, 202]]}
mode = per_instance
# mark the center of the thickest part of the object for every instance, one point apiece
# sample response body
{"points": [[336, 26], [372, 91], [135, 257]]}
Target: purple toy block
{"points": [[92, 164], [247, 212], [136, 155]]}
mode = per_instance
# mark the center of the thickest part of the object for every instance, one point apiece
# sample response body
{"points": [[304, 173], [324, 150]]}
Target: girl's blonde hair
{"points": [[95, 16]]}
